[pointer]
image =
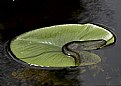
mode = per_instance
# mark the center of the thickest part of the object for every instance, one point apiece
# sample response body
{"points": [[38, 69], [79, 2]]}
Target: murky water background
{"points": [[24, 15]]}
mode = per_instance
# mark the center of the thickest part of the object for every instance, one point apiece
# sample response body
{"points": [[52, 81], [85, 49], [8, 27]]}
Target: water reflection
{"points": [[44, 77], [25, 15]]}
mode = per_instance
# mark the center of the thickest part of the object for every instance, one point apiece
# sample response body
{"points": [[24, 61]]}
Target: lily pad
{"points": [[43, 46]]}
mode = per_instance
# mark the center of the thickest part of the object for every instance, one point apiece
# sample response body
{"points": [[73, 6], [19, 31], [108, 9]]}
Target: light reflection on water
{"points": [[104, 12]]}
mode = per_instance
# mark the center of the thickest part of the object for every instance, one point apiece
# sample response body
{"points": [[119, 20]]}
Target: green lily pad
{"points": [[43, 46]]}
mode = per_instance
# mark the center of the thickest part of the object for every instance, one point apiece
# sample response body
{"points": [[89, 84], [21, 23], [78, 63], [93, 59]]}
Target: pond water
{"points": [[19, 16]]}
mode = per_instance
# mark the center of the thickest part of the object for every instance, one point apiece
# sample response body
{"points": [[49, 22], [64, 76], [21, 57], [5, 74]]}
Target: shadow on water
{"points": [[20, 16]]}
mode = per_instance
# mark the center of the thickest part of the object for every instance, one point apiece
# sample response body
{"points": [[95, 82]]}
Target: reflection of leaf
{"points": [[43, 46]]}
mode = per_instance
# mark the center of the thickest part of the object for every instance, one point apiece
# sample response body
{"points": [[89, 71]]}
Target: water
{"points": [[20, 16]]}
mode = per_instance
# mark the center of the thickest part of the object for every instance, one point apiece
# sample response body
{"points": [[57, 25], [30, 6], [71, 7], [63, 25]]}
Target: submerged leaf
{"points": [[43, 47], [88, 58], [85, 45]]}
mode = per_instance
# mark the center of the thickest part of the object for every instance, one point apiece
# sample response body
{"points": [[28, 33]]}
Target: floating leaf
{"points": [[43, 47]]}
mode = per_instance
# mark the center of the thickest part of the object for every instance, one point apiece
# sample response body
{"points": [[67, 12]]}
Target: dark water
{"points": [[24, 15]]}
